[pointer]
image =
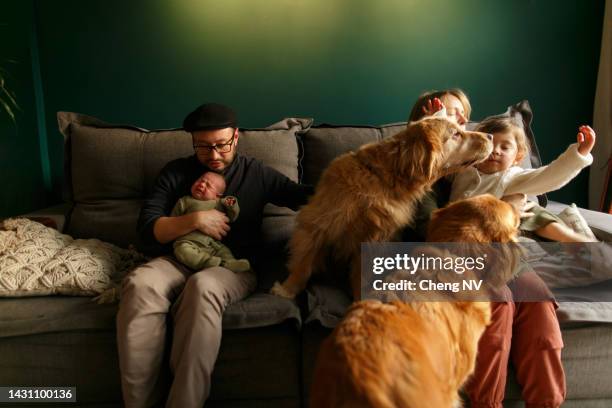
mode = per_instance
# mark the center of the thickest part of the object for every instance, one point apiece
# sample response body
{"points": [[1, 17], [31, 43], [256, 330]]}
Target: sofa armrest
{"points": [[57, 213], [600, 223]]}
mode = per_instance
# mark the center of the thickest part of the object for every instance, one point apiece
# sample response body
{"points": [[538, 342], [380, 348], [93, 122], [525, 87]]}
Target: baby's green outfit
{"points": [[197, 250]]}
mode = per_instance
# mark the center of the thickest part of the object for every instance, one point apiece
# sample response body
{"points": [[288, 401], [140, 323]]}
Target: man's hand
{"points": [[213, 223], [519, 201], [586, 139]]}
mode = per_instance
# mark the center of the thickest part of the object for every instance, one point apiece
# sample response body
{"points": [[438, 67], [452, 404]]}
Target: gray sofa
{"points": [[269, 344]]}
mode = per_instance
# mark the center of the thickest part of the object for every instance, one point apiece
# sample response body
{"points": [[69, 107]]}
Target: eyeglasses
{"points": [[219, 148]]}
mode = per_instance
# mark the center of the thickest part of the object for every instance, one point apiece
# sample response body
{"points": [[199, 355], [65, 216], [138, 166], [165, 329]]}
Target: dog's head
{"points": [[481, 219], [476, 222], [434, 147]]}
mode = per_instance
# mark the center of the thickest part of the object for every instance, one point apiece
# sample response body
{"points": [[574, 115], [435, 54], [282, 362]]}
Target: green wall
{"points": [[21, 176], [148, 62]]}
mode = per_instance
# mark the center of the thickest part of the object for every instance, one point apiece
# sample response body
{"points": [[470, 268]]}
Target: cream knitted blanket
{"points": [[36, 261]]}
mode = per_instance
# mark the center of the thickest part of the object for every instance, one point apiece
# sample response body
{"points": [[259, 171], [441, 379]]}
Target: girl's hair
{"points": [[417, 110], [507, 125]]}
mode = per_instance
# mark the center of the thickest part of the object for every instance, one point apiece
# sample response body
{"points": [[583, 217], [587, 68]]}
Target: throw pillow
{"points": [[37, 261], [571, 217]]}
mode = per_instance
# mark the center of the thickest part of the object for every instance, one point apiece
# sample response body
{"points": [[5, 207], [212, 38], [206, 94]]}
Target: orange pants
{"points": [[529, 333]]}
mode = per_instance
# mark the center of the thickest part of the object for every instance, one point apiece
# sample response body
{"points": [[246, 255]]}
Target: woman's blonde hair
{"points": [[507, 125], [417, 110]]}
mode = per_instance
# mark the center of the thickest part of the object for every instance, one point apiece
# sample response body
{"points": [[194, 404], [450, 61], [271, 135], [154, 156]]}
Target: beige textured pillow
{"points": [[36, 261], [572, 218]]}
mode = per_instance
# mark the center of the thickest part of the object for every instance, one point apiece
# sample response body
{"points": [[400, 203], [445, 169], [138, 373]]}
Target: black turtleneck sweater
{"points": [[248, 179]]}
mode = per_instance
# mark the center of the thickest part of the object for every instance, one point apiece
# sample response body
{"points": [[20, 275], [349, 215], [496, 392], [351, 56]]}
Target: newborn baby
{"points": [[197, 250]]}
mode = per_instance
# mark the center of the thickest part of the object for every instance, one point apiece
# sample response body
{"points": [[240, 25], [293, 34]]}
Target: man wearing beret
{"points": [[195, 299]]}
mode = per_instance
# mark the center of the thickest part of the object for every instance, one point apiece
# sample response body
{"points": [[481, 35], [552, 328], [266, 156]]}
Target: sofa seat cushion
{"points": [[255, 364], [580, 305], [34, 315], [327, 305], [87, 360], [261, 309]]}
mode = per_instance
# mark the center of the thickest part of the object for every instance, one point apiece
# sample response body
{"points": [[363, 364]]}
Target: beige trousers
{"points": [[196, 302]]}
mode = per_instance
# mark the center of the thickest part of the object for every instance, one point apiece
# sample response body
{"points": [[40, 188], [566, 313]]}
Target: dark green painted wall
{"points": [[148, 62], [21, 177]]}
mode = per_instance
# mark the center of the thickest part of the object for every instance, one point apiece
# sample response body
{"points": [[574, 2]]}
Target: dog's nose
{"points": [[489, 136]]}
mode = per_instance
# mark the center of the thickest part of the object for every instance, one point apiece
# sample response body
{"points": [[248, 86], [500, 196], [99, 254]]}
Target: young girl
{"points": [[528, 333], [500, 175]]}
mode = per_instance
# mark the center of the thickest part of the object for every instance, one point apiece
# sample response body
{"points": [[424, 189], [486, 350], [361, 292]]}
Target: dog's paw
{"points": [[279, 290]]}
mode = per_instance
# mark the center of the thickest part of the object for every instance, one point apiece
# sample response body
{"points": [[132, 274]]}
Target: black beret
{"points": [[210, 116]]}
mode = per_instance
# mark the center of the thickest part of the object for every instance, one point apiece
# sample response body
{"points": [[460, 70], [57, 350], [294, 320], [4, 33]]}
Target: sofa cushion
{"points": [[327, 305], [109, 169], [276, 146], [33, 315], [36, 260], [323, 143], [392, 129], [272, 147], [261, 309], [257, 365], [87, 360]]}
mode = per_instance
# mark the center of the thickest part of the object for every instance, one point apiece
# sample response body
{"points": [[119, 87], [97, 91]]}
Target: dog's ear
{"points": [[478, 219], [420, 148], [501, 219], [458, 222]]}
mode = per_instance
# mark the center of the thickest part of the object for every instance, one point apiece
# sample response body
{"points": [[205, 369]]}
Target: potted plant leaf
{"points": [[7, 98]]}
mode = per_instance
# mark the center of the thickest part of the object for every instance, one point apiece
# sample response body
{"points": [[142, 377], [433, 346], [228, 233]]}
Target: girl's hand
{"points": [[433, 105], [586, 140], [520, 202]]}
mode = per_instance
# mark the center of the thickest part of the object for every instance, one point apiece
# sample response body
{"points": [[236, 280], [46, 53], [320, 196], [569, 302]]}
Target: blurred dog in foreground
{"points": [[417, 354]]}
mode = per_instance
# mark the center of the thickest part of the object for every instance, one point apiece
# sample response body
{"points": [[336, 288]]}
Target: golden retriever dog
{"points": [[418, 354], [369, 195]]}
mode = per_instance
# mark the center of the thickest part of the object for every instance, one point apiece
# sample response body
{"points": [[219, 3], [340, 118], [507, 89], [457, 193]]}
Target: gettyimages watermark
{"points": [[528, 272]]}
